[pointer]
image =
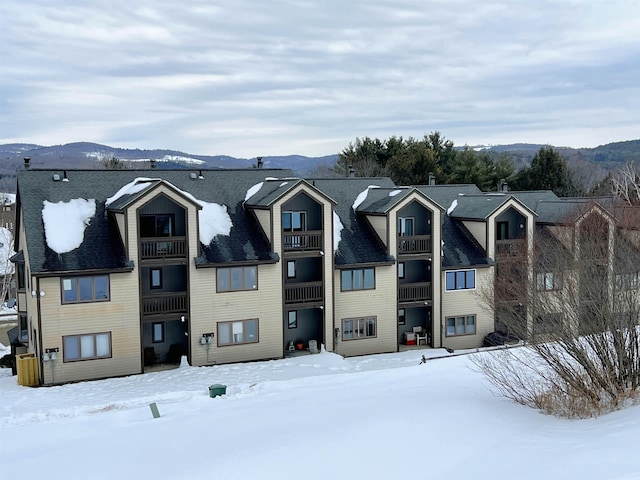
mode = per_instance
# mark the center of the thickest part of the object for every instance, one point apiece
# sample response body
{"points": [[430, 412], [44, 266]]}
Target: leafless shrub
{"points": [[579, 312]]}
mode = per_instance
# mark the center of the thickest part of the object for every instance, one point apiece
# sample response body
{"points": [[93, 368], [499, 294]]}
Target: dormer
{"points": [[292, 213]]}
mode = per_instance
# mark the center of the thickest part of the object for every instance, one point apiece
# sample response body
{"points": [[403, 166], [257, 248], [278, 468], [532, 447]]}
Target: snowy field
{"points": [[312, 417]]}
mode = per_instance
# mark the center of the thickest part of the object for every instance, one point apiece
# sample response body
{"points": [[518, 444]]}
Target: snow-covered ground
{"points": [[312, 417]]}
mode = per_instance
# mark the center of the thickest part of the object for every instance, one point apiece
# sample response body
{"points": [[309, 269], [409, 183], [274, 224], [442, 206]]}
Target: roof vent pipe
{"points": [[352, 172], [432, 178], [64, 176], [259, 162], [26, 162]]}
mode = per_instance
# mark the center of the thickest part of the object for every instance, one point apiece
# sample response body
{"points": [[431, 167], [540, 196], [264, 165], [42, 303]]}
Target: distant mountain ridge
{"points": [[88, 155]]}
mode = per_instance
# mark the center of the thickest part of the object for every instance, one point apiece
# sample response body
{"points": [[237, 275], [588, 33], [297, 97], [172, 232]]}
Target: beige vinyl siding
{"points": [[467, 302], [264, 219], [119, 316], [379, 225], [122, 230], [379, 302], [208, 308], [479, 232], [27, 302]]}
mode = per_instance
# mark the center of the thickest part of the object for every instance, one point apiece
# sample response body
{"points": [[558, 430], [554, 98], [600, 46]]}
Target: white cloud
{"points": [[246, 78]]}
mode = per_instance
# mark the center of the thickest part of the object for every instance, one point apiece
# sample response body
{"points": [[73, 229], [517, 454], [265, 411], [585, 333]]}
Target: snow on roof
{"points": [[65, 222], [394, 193], [6, 251], [253, 190], [337, 231], [362, 196], [7, 198], [130, 188], [453, 206], [213, 220]]}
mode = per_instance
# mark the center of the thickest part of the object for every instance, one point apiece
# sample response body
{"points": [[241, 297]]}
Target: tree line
{"points": [[411, 161]]}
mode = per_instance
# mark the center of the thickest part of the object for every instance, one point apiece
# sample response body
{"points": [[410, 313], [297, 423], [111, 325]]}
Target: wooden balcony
{"points": [[414, 292], [162, 247], [414, 244], [301, 241], [303, 292], [511, 248], [164, 303]]}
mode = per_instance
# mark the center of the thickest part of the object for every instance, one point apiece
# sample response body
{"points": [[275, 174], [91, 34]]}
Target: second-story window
{"points": [[461, 280], [85, 289], [546, 281], [237, 278], [358, 279]]}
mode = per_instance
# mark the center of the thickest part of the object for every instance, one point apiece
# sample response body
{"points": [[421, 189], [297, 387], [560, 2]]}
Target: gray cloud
{"points": [[247, 78]]}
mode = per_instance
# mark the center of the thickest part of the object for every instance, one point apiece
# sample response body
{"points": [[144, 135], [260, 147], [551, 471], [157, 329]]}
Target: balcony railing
{"points": [[414, 244], [162, 247], [414, 292], [511, 248], [300, 241], [160, 303], [303, 292]]}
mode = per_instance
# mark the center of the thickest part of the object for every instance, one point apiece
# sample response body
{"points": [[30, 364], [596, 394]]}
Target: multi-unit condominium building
{"points": [[121, 270]]}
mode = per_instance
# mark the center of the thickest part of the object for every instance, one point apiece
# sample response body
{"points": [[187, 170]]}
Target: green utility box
{"points": [[217, 390]]}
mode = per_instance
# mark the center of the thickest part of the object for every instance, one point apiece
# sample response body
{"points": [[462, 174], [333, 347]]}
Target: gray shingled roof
{"points": [[444, 195], [271, 190], [102, 247], [358, 244], [381, 200], [460, 249]]}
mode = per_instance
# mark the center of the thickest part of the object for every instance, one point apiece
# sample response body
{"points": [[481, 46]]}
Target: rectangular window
{"points": [[156, 278], [157, 332], [237, 278], [293, 319], [463, 325], [358, 328], [401, 270], [86, 347], [358, 279], [23, 333], [547, 281], [627, 281], [21, 282], [238, 332], [85, 289], [405, 226], [461, 280], [294, 221], [503, 230], [291, 269], [402, 316]]}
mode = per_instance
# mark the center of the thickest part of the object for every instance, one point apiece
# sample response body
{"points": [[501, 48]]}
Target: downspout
{"points": [[39, 342]]}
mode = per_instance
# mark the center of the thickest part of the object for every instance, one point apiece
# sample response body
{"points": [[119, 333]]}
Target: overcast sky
{"points": [[276, 77]]}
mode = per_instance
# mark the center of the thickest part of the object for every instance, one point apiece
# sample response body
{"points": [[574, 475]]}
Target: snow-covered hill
{"points": [[314, 417]]}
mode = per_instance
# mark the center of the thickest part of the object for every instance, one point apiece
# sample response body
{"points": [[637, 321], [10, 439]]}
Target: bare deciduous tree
{"points": [[579, 313]]}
